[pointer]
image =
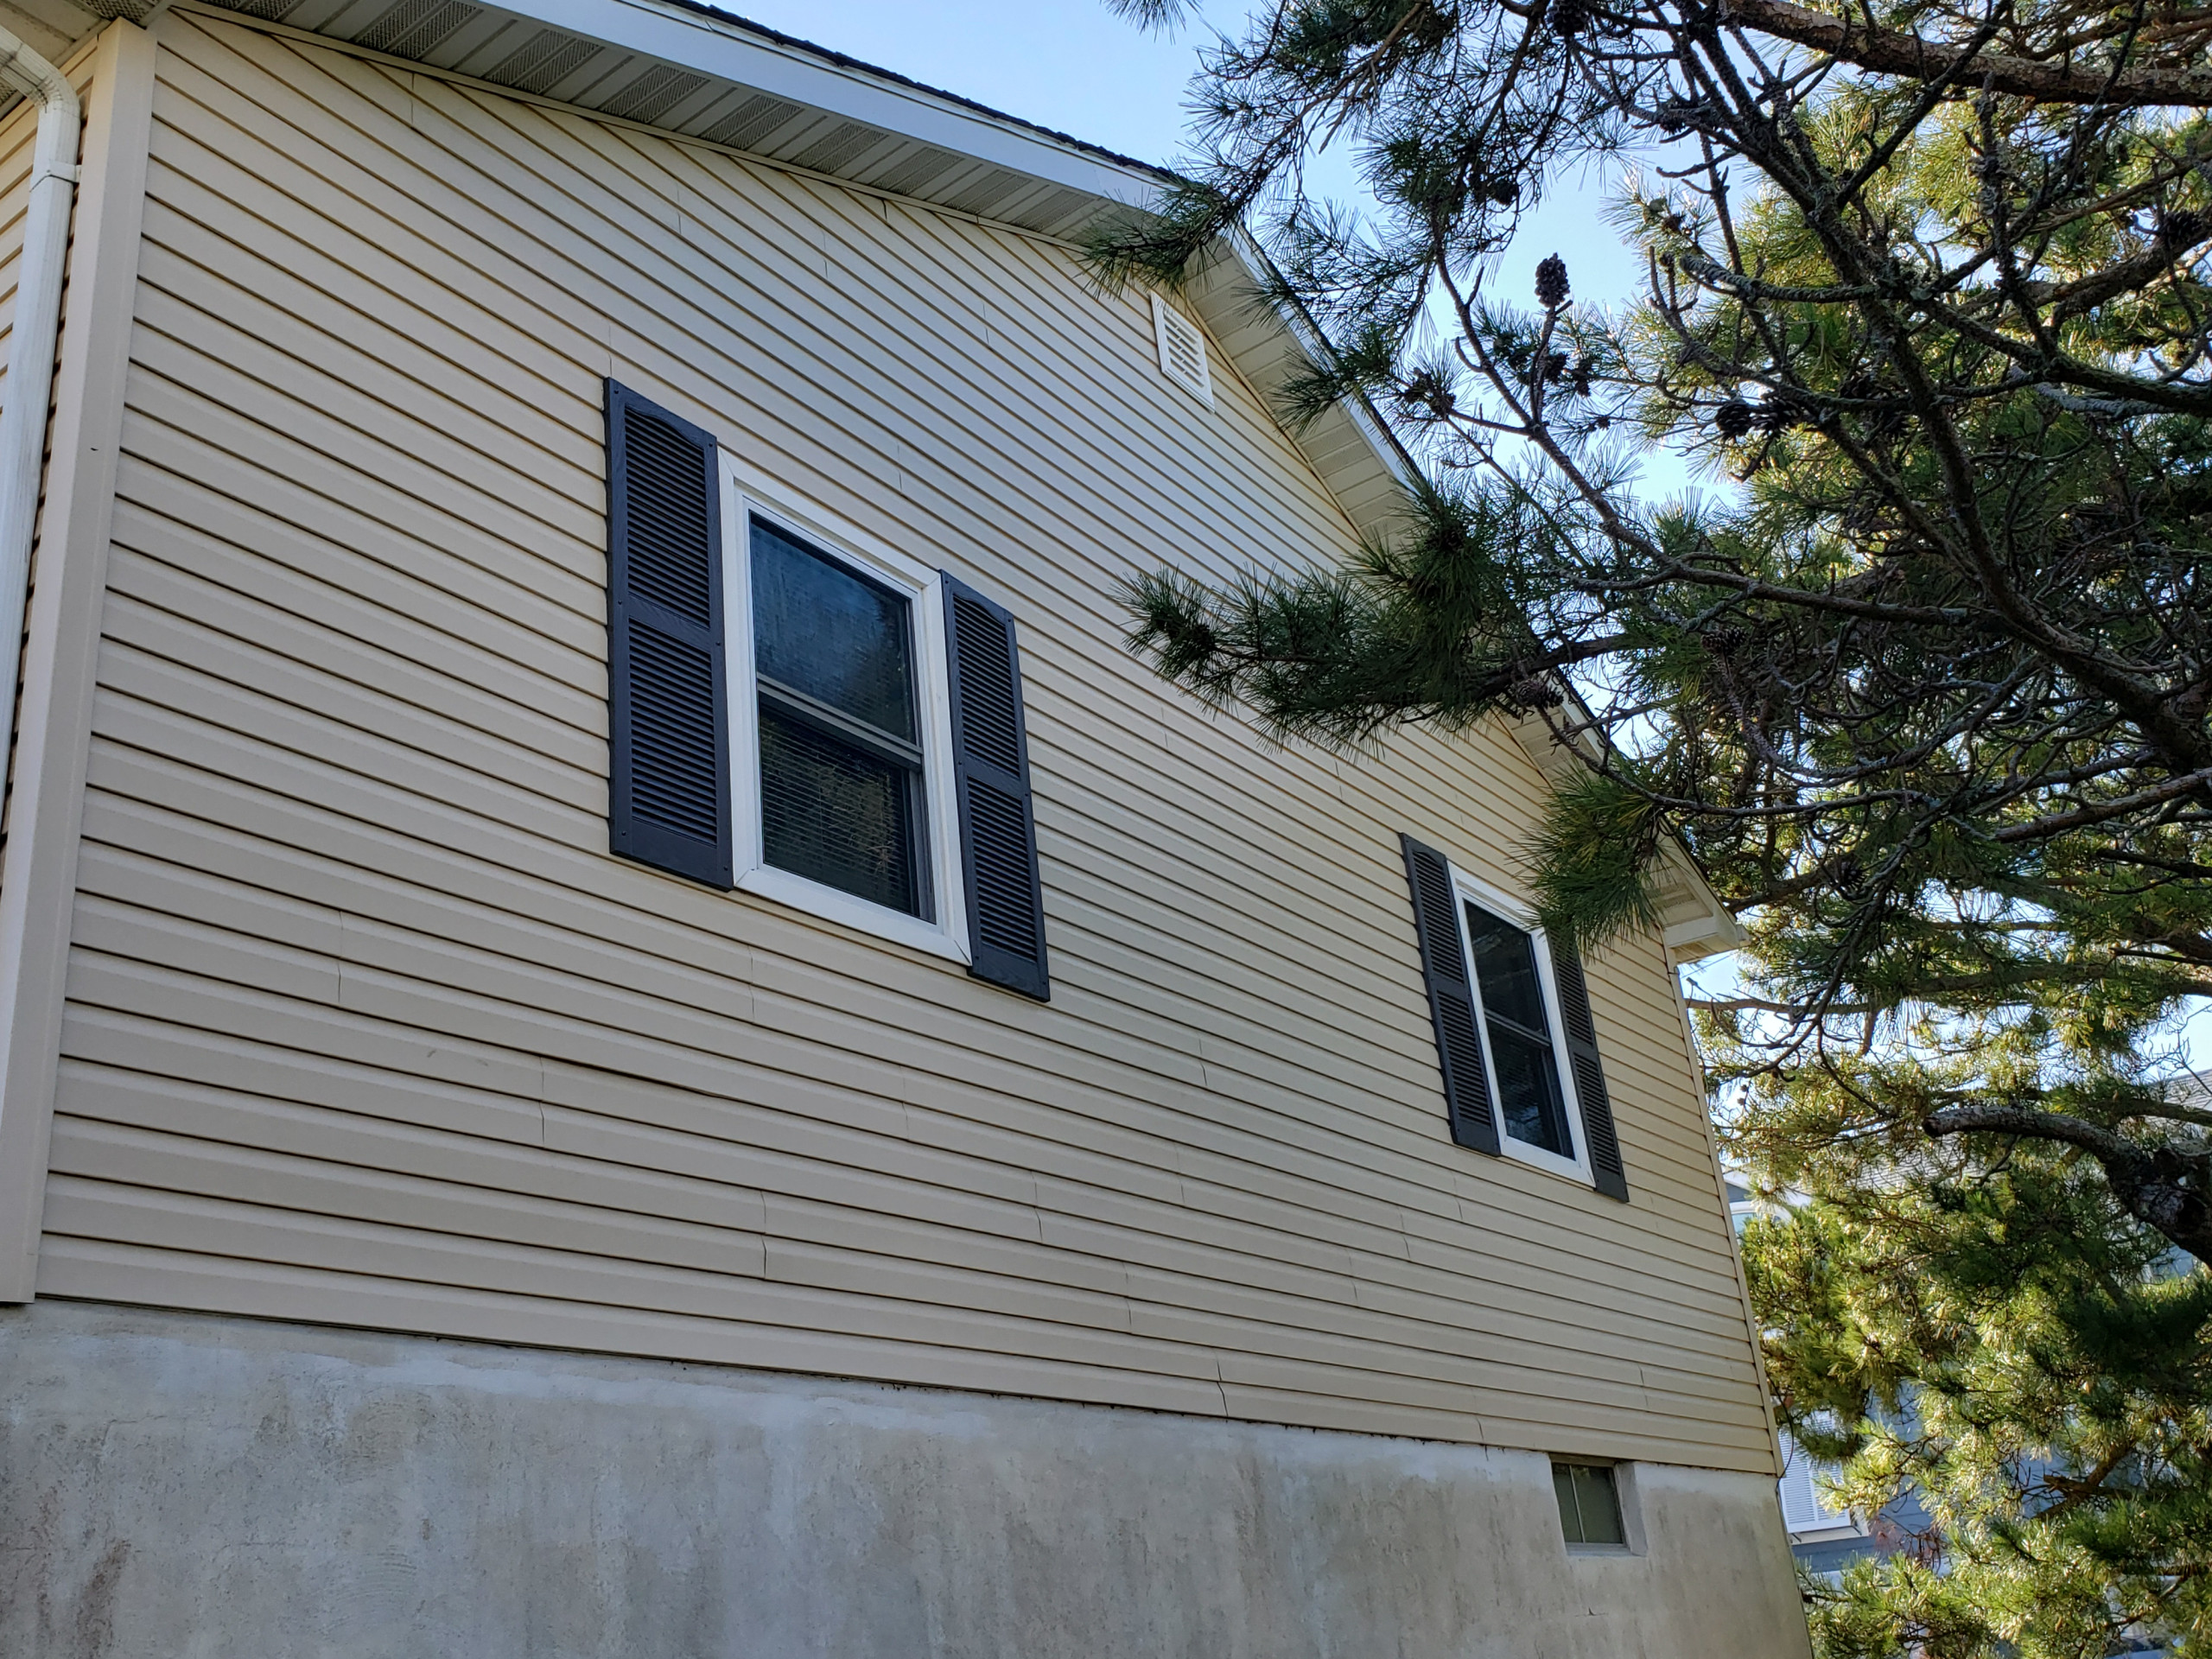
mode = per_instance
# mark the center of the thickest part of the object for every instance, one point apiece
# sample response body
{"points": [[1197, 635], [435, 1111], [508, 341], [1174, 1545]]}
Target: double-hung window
{"points": [[1519, 1031], [845, 802], [805, 712], [1516, 1042]]}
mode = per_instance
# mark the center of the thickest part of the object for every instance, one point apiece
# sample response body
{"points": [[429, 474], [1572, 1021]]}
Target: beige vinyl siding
{"points": [[367, 1027]]}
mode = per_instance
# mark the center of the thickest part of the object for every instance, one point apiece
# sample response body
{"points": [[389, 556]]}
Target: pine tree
{"points": [[1924, 688]]}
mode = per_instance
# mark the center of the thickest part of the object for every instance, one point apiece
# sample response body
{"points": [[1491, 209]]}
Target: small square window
{"points": [[1589, 1504]]}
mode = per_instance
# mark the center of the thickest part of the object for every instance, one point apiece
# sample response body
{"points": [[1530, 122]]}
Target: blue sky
{"points": [[1073, 64]]}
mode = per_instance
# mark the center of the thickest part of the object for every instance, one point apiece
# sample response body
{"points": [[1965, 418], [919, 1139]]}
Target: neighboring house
{"points": [[628, 1027]]}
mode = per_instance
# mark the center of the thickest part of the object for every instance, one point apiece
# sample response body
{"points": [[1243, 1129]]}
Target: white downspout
{"points": [[37, 325]]}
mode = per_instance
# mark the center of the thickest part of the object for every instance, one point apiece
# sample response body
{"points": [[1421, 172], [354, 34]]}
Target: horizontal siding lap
{"points": [[387, 679], [123, 1040], [365, 1025]]}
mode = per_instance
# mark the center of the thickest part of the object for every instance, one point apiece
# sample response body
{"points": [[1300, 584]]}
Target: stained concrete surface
{"points": [[184, 1484]]}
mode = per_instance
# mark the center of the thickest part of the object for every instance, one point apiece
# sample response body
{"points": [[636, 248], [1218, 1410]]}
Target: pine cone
{"points": [[1570, 17], [1555, 368], [1534, 692], [1551, 283], [1733, 418], [2185, 229], [1723, 640]]}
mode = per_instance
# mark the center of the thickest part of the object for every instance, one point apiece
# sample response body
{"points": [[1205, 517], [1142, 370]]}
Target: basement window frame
{"points": [[1620, 1482], [1471, 890], [943, 930]]}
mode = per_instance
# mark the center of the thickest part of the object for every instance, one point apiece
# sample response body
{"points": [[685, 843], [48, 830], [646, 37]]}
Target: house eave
{"points": [[1694, 923], [693, 70]]}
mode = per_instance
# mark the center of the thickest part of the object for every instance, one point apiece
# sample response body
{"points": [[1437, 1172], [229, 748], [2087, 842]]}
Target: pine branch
{"points": [[1895, 52]]}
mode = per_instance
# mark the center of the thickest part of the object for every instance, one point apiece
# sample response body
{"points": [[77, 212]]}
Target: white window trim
{"points": [[1504, 904], [744, 496]]}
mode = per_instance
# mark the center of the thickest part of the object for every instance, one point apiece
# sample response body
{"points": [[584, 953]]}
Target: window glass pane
{"points": [[1505, 967], [1600, 1505], [1570, 1518], [835, 814], [1527, 1090], [821, 628]]}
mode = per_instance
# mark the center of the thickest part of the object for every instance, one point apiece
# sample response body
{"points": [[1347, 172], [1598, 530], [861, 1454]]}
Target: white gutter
{"points": [[37, 326]]}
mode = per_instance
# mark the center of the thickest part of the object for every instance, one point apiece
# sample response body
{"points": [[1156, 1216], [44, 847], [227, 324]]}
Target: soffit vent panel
{"points": [[543, 62], [829, 153], [752, 122], [274, 11], [1182, 351], [414, 29], [653, 94], [992, 190], [918, 174]]}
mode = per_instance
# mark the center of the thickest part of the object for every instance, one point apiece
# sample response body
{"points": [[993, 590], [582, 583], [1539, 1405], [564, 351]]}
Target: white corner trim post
{"points": [[61, 631], [37, 325]]}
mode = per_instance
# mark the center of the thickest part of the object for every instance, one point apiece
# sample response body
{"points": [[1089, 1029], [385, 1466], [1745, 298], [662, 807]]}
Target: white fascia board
{"points": [[1257, 267], [723, 50]]}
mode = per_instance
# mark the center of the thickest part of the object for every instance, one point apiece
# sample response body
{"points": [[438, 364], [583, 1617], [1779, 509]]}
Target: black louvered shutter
{"points": [[998, 832], [1451, 999], [668, 799], [1607, 1172]]}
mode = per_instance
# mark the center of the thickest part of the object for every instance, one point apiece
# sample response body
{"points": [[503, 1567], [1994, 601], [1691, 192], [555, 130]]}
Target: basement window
{"points": [[1182, 351], [1589, 1506]]}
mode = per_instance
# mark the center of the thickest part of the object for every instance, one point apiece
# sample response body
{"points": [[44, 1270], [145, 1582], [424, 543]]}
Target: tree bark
{"points": [[1894, 52], [2166, 1190]]}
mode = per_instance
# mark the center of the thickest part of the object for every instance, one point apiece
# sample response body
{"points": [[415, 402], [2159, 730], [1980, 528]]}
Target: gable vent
{"points": [[1182, 351]]}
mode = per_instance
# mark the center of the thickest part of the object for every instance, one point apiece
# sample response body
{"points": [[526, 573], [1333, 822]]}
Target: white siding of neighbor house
{"points": [[366, 1026]]}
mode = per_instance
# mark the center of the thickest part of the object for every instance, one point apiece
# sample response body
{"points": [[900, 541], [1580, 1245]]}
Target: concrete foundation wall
{"points": [[174, 1484]]}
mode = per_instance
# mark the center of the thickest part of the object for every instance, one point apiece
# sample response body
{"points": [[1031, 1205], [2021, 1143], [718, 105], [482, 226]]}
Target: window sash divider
{"points": [[1517, 1029], [838, 724]]}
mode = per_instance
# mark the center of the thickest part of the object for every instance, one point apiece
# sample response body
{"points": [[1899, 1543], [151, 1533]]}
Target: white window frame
{"points": [[744, 498], [1510, 909]]}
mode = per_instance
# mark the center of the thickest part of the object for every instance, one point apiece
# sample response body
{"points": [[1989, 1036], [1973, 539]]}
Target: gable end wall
{"points": [[365, 1027]]}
